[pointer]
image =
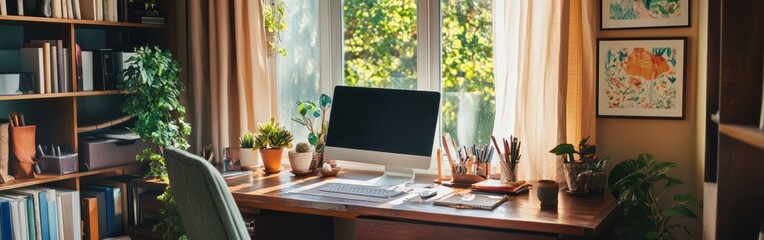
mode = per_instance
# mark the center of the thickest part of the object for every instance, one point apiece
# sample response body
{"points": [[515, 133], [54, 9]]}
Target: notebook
{"points": [[493, 185], [471, 200]]}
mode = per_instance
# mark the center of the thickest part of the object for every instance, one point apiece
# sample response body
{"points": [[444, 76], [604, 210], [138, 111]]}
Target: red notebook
{"points": [[493, 185]]}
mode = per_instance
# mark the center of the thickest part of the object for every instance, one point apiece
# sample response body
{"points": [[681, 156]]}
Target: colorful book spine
{"points": [[6, 230]]}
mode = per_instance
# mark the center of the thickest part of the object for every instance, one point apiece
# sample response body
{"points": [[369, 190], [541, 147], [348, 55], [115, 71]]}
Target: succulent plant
{"points": [[272, 135], [302, 147], [247, 140]]}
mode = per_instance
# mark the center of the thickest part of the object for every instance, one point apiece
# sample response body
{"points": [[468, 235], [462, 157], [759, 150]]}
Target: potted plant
{"points": [[271, 140], [300, 158], [309, 111], [273, 16], [154, 89], [638, 184], [247, 154], [587, 168]]}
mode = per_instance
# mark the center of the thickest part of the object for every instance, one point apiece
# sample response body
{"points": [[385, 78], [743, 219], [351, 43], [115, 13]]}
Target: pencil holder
{"points": [[508, 172], [483, 170], [59, 164]]}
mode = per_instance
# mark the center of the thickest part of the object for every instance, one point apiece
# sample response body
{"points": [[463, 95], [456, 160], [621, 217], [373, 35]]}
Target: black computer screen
{"points": [[383, 120]]}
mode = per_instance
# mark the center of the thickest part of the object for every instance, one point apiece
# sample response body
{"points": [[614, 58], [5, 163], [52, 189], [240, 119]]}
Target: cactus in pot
{"points": [[300, 157]]}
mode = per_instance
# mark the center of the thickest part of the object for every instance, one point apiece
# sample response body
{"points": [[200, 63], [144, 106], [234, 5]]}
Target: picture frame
{"points": [[628, 14], [641, 77]]}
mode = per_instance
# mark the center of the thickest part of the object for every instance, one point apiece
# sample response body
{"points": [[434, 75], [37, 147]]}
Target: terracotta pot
{"points": [[271, 160], [300, 162]]}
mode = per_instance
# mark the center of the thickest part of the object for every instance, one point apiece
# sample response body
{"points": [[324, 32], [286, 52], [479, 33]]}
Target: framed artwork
{"points": [[641, 78], [620, 14]]}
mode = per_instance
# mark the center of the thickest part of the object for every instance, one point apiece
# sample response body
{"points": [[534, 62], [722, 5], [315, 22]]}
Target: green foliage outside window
{"points": [[380, 51]]}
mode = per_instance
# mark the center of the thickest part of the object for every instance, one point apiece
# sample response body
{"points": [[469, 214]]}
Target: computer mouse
{"points": [[427, 193]]}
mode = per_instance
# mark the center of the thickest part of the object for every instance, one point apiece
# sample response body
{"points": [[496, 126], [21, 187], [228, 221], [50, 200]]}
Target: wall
{"points": [[667, 140]]}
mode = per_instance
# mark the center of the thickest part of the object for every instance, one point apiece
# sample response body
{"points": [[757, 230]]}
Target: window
{"points": [[379, 43], [442, 46], [298, 72], [467, 70]]}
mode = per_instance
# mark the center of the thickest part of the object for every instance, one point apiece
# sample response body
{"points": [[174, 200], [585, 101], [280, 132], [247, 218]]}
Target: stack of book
{"points": [[48, 61], [107, 207], [39, 213], [97, 10], [496, 186]]}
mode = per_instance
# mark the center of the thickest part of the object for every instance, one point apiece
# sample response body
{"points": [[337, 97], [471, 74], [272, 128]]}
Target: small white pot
{"points": [[249, 158], [300, 162]]}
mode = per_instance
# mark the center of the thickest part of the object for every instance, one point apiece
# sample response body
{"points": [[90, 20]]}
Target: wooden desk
{"points": [[574, 216]]}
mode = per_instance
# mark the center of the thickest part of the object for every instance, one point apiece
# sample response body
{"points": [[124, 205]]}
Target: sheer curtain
{"points": [[229, 85], [538, 97]]}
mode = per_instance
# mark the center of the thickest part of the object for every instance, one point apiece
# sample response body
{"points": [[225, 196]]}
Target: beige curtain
{"points": [[541, 84], [229, 88]]}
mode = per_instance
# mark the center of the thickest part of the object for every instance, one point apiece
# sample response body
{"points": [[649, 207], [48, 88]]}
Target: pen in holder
{"points": [[509, 159], [63, 164]]}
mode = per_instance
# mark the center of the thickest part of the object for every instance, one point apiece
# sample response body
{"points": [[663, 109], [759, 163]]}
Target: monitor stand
{"points": [[394, 176]]}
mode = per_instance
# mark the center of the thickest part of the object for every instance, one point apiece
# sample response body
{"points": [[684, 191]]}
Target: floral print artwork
{"points": [[636, 9], [641, 78]]}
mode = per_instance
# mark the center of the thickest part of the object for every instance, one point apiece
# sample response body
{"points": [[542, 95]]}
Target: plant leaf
{"points": [[325, 100], [679, 211], [313, 139], [564, 148]]}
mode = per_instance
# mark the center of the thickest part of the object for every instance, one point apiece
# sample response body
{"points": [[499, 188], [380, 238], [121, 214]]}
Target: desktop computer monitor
{"points": [[394, 128]]}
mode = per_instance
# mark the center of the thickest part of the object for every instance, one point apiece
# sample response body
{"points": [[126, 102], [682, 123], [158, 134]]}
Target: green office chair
{"points": [[206, 207]]}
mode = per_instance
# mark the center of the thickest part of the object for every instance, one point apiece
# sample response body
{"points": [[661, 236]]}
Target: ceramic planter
{"points": [[271, 160], [575, 183], [300, 162], [248, 158]]}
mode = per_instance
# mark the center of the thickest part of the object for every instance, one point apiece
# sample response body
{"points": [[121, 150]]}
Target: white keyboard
{"points": [[360, 190]]}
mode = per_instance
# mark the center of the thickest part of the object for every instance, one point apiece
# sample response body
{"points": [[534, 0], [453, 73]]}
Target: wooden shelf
{"points": [[47, 178], [61, 95], [747, 134], [30, 19]]}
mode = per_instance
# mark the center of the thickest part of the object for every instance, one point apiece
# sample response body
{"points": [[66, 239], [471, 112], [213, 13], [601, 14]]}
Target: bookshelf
{"points": [[58, 115], [735, 144]]}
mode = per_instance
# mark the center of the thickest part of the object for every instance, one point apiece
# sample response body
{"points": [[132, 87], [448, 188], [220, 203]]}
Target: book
{"points": [[88, 9], [48, 212], [55, 7], [15, 7], [99, 221], [21, 211], [104, 72], [108, 206], [99, 10], [89, 211], [120, 202], [60, 216], [58, 71], [36, 212], [130, 200], [3, 8], [36, 61], [30, 226], [76, 9], [16, 83], [70, 200], [471, 200], [6, 230], [493, 185], [87, 71]]}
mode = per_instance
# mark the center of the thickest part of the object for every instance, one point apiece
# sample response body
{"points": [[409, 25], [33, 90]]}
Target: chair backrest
{"points": [[206, 207]]}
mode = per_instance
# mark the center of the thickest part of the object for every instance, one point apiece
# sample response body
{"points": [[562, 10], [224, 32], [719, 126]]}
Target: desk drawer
{"points": [[388, 229]]}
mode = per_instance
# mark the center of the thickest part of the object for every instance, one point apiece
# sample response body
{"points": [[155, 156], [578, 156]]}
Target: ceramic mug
{"points": [[547, 192]]}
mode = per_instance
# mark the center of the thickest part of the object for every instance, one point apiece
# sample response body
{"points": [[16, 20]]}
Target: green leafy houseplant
{"points": [[309, 112], [153, 87], [247, 140], [584, 174], [273, 15], [639, 184], [271, 140]]}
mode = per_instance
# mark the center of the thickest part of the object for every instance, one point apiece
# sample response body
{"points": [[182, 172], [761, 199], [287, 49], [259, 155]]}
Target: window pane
{"points": [[298, 72], [380, 43], [467, 65]]}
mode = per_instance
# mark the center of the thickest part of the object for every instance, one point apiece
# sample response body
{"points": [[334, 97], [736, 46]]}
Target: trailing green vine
{"points": [[153, 87]]}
